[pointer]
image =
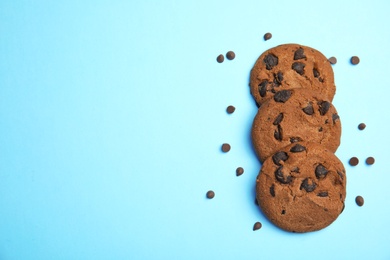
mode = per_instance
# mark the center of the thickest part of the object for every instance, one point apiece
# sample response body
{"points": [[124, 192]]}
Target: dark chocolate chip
{"points": [[353, 161], [355, 60], [298, 54], [359, 201], [267, 36], [335, 117], [278, 134], [220, 58], [282, 96], [308, 185], [326, 121], [295, 139], [279, 77], [309, 110], [322, 194], [321, 171], [297, 148], [361, 126], [280, 176], [279, 156], [323, 107], [370, 161], [316, 73], [272, 190], [321, 79], [270, 61], [341, 175], [283, 212], [210, 194], [278, 119], [225, 148], [263, 88], [332, 60], [257, 226], [239, 171], [230, 55], [320, 129], [298, 67], [230, 109]]}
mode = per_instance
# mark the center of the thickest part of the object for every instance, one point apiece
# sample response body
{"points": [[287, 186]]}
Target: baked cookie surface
{"points": [[291, 66], [292, 116], [302, 187]]}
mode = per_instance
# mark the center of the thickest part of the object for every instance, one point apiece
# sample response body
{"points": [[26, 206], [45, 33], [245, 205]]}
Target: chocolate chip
{"points": [[370, 161], [210, 194], [361, 126], [280, 176], [282, 96], [335, 117], [321, 171], [279, 77], [272, 190], [230, 55], [297, 148], [257, 226], [230, 109], [341, 175], [220, 58], [298, 67], [355, 60], [278, 119], [279, 156], [263, 88], [321, 79], [295, 139], [316, 73], [322, 194], [267, 36], [320, 129], [309, 110], [239, 171], [298, 54], [332, 60], [323, 107], [270, 61], [353, 161], [278, 134], [225, 148], [359, 201], [283, 212], [308, 185]]}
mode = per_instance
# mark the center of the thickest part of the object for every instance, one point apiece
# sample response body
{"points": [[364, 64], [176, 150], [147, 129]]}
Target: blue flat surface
{"points": [[112, 115]]}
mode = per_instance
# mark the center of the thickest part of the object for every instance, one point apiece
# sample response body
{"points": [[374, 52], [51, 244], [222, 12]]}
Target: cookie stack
{"points": [[301, 186]]}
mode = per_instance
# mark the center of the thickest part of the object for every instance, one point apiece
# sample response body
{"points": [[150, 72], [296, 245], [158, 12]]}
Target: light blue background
{"points": [[112, 114]]}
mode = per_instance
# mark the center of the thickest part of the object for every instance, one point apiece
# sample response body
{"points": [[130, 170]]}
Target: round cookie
{"points": [[295, 115], [302, 187], [290, 66]]}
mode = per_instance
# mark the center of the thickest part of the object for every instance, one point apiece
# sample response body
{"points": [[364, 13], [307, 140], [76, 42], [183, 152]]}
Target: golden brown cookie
{"points": [[291, 66], [302, 187], [292, 116]]}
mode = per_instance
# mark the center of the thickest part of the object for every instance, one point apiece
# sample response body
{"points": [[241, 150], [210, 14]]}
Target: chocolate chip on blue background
{"points": [[332, 60], [257, 226], [270, 61], [230, 109], [370, 160], [355, 60], [230, 55], [308, 185], [210, 194], [359, 201], [282, 96], [279, 156], [297, 148], [353, 161], [278, 119], [239, 171], [220, 58], [298, 54], [267, 36], [361, 126], [299, 67]]}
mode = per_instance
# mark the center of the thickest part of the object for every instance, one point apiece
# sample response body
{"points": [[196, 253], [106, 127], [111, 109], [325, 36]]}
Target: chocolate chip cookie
{"points": [[295, 115], [291, 66], [302, 187]]}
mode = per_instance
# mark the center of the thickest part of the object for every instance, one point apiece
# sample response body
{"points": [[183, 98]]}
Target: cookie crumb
{"points": [[361, 126], [220, 58], [239, 171], [332, 60], [355, 60], [267, 36], [257, 226], [353, 161], [359, 201], [370, 160], [230, 55], [225, 147], [230, 109], [210, 194]]}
